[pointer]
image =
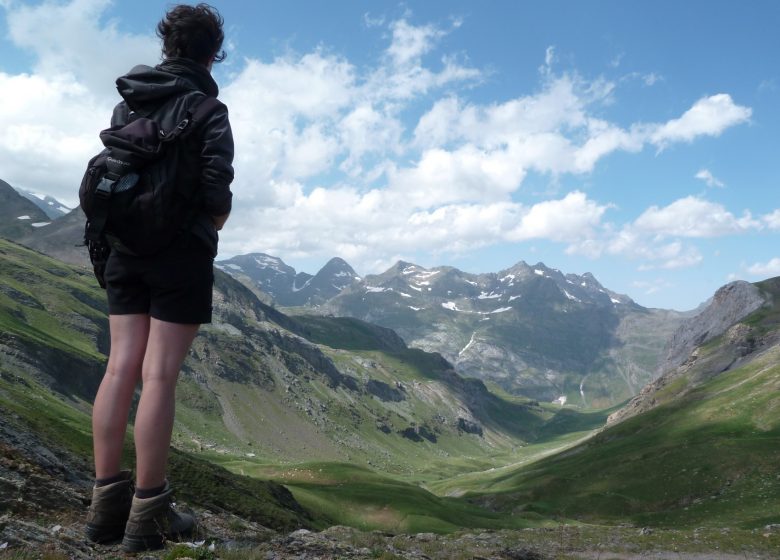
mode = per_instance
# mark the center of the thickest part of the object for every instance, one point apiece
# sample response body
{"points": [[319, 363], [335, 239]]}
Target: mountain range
{"points": [[530, 329]]}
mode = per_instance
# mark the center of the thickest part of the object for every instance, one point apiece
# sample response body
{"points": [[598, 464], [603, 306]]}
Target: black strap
{"points": [[199, 112]]}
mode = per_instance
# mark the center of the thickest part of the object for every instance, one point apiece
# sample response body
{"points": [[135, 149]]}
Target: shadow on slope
{"points": [[707, 458]]}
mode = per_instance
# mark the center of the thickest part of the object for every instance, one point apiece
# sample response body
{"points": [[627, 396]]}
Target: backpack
{"points": [[138, 193]]}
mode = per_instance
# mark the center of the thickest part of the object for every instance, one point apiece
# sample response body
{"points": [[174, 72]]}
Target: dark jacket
{"points": [[165, 93]]}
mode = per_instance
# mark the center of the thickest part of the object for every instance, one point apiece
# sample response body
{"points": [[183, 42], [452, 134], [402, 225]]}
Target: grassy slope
{"points": [[47, 302], [707, 457], [51, 316]]}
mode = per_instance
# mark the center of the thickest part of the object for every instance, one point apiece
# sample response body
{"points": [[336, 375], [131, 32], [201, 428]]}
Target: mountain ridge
{"points": [[286, 287], [543, 361], [550, 330]]}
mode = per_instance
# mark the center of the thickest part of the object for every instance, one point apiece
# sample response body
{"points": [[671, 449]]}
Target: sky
{"points": [[638, 141]]}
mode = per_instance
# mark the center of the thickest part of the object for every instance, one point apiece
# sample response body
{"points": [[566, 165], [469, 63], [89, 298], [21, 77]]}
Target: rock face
{"points": [[692, 363], [730, 303]]}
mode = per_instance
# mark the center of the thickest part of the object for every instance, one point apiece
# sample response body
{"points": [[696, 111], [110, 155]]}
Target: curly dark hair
{"points": [[193, 32]]}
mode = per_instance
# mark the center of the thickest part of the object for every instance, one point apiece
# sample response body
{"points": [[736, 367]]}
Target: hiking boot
{"points": [[109, 509], [152, 521]]}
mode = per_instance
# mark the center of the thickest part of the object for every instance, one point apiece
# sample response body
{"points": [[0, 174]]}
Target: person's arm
{"points": [[216, 167], [219, 221]]}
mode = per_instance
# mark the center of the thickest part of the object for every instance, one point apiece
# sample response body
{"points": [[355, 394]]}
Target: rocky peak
{"points": [[338, 272], [730, 304]]}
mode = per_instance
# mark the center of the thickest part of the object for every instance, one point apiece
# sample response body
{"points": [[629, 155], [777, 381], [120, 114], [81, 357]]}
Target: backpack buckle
{"points": [[105, 187]]}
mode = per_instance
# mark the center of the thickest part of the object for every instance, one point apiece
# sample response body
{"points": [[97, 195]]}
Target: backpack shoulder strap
{"points": [[196, 115]]}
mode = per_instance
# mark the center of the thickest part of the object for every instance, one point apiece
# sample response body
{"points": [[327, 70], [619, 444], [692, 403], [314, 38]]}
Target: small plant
{"points": [[183, 551]]}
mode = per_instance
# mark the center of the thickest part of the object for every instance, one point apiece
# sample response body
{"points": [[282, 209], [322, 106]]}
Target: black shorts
{"points": [[174, 285]]}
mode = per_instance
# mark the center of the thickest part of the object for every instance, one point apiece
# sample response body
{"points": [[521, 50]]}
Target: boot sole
{"points": [[141, 543], [101, 535]]}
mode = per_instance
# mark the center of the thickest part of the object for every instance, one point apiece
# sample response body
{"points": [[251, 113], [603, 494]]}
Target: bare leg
{"points": [[167, 346], [129, 334]]}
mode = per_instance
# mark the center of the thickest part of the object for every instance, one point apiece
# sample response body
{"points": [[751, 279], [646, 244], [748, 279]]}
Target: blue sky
{"points": [[634, 140]]}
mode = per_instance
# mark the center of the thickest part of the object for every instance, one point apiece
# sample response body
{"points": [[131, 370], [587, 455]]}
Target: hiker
{"points": [[157, 302]]}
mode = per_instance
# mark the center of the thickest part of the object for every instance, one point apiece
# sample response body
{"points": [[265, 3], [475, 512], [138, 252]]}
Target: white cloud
{"points": [[557, 107], [74, 38], [772, 220], [554, 131], [711, 181], [565, 220], [411, 42], [650, 238], [467, 174], [765, 270], [652, 252], [693, 217], [670, 256], [709, 116], [366, 130], [361, 226], [46, 150]]}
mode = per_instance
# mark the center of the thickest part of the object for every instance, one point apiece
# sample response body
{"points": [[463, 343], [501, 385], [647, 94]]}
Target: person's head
{"points": [[193, 32]]}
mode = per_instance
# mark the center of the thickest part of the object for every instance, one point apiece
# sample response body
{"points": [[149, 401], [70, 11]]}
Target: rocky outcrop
{"points": [[730, 304], [688, 363]]}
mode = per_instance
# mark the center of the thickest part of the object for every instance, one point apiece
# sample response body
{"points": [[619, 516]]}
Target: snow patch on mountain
{"points": [[571, 297], [376, 289], [473, 337], [491, 295], [270, 262], [295, 287]]}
